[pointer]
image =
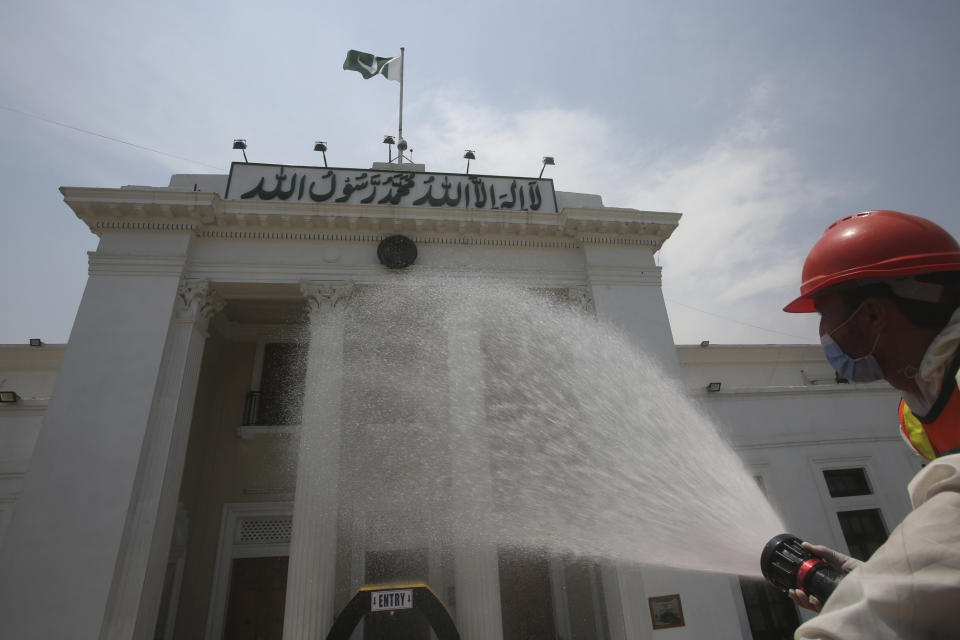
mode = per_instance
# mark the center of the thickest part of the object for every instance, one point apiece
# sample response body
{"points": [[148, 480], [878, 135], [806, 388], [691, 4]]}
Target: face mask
{"points": [[863, 369]]}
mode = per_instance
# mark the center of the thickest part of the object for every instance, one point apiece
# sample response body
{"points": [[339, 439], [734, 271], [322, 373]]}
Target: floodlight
{"points": [[389, 141], [241, 144], [321, 146], [546, 160]]}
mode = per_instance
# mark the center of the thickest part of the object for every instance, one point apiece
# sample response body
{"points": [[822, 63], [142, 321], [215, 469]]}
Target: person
{"points": [[887, 287]]}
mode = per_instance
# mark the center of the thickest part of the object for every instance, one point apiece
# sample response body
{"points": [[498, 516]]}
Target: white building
{"points": [[144, 483]]}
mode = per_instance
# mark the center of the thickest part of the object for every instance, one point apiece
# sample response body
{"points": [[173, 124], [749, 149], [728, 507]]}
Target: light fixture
{"points": [[321, 146], [389, 141], [469, 155], [36, 342], [546, 160], [705, 343], [241, 144], [713, 387], [8, 396], [401, 147]]}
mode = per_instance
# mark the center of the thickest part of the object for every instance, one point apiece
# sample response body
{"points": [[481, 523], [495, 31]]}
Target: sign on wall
{"points": [[666, 611], [404, 188], [391, 600]]}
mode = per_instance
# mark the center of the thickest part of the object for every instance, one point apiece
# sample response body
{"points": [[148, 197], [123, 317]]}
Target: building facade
{"points": [[146, 482]]}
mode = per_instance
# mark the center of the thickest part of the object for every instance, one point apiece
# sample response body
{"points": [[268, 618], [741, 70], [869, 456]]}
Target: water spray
{"points": [[787, 565]]}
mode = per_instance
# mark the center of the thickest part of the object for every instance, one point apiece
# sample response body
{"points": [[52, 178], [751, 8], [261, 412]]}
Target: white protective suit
{"points": [[910, 587]]}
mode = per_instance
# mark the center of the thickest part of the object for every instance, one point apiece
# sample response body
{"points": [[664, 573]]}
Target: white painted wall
{"points": [[788, 432]]}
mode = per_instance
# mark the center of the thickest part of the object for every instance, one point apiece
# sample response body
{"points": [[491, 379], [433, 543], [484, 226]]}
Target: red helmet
{"points": [[874, 244]]}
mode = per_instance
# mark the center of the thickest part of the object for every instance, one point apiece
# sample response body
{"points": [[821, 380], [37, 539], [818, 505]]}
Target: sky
{"points": [[760, 121]]}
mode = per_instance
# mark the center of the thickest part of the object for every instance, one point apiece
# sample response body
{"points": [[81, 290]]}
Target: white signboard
{"points": [[391, 600], [405, 188]]}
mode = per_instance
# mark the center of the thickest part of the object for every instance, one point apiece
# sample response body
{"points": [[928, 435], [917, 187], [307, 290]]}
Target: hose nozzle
{"points": [[787, 565]]}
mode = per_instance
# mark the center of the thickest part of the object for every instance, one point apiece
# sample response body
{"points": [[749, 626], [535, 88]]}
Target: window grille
{"points": [[264, 530]]}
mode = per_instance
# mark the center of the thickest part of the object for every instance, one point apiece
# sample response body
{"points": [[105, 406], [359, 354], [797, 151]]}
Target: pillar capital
{"points": [[581, 298], [197, 302], [325, 296]]}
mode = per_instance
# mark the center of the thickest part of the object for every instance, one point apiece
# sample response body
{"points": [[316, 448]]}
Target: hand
{"points": [[835, 559], [803, 600]]}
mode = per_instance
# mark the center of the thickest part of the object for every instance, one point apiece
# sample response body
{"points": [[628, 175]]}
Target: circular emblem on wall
{"points": [[397, 252]]}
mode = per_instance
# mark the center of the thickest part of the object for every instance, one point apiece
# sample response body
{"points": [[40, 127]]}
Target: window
{"points": [[279, 401], [852, 497], [863, 530], [771, 614], [526, 602], [585, 601], [258, 588], [843, 483]]}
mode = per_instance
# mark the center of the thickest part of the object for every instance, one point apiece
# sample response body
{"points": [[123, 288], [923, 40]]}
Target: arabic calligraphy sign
{"points": [[408, 189]]}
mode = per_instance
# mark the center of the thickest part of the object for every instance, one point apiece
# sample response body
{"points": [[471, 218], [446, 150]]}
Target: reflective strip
{"points": [[915, 433]]}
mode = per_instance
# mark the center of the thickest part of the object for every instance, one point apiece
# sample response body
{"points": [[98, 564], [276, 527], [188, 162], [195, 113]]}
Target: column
{"points": [[77, 558], [476, 563], [558, 588], [634, 607], [609, 578], [137, 585], [309, 610]]}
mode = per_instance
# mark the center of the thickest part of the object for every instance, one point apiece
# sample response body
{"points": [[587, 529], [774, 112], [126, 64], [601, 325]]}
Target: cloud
{"points": [[587, 150], [735, 253], [744, 198]]}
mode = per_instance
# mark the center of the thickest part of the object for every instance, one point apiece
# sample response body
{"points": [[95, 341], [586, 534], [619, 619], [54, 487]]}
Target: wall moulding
{"points": [[816, 443], [280, 275], [561, 243], [796, 390], [135, 265]]}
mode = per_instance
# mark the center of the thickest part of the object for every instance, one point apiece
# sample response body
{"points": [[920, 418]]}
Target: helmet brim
{"points": [[803, 304]]}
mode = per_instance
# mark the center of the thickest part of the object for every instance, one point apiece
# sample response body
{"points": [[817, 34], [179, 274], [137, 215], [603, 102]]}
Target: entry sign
{"points": [[391, 600]]}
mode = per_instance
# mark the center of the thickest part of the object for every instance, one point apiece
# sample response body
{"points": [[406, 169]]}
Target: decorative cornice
{"points": [[208, 215], [155, 225]]}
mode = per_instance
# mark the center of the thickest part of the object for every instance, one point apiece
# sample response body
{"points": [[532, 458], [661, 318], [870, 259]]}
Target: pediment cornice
{"points": [[209, 215]]}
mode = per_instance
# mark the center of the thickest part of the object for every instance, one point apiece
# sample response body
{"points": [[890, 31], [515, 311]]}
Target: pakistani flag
{"points": [[370, 65]]}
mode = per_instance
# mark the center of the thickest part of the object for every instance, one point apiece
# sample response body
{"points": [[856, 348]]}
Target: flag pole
{"points": [[400, 128]]}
